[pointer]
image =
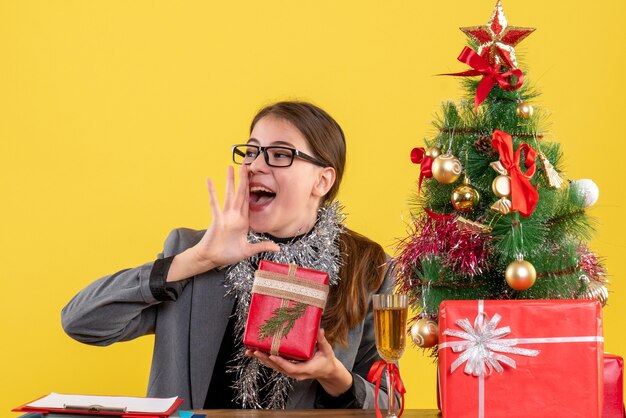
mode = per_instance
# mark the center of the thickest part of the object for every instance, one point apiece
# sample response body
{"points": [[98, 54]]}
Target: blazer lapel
{"points": [[210, 311]]}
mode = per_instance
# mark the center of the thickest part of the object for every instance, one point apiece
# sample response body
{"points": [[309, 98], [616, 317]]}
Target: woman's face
{"points": [[284, 200]]}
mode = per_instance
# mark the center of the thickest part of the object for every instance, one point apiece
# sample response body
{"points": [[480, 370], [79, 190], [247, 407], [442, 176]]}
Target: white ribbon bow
{"points": [[483, 342]]}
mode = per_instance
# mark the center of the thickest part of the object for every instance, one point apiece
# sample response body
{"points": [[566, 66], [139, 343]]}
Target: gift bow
{"points": [[524, 196], [375, 375], [418, 156], [491, 75], [482, 345]]}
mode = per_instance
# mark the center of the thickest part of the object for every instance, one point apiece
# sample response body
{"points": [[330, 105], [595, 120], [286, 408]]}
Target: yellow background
{"points": [[113, 113]]}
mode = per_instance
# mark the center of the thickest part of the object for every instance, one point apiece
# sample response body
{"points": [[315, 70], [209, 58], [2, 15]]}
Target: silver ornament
{"points": [[587, 190]]}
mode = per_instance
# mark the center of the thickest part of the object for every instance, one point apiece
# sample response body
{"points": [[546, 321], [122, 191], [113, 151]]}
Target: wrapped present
{"points": [[613, 386], [286, 310], [521, 358]]}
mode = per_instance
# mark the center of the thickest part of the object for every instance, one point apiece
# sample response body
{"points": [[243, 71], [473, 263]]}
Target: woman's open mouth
{"points": [[260, 197]]}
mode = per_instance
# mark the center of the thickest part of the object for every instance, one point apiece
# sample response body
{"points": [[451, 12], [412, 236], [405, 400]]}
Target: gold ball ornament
{"points": [[425, 333], [593, 290], [433, 152], [520, 275], [465, 198], [598, 291], [524, 110], [446, 168]]}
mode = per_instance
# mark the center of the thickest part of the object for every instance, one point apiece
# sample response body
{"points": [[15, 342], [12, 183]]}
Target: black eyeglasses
{"points": [[275, 156]]}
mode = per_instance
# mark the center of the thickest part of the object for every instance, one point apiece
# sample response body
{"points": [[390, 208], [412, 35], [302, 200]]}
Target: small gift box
{"points": [[286, 310], [521, 358], [613, 386]]}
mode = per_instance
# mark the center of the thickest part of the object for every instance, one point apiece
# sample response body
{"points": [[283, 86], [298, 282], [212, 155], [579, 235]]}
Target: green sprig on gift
{"points": [[282, 318]]}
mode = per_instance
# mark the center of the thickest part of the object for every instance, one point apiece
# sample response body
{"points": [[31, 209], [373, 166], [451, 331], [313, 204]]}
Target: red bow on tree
{"points": [[524, 196], [491, 75], [375, 375], [418, 156]]}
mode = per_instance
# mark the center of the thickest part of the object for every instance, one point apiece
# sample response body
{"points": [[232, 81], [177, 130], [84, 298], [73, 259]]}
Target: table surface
{"points": [[335, 413]]}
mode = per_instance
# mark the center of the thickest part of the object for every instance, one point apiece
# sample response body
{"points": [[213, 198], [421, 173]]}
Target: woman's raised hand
{"points": [[225, 241]]}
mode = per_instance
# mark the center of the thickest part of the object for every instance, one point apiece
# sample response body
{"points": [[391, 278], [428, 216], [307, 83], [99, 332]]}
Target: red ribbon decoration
{"points": [[375, 375], [418, 156], [438, 216], [491, 75], [524, 196]]}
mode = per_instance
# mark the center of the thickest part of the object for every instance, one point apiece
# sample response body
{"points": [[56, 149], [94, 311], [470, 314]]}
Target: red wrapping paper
{"points": [[565, 379], [299, 343], [613, 386]]}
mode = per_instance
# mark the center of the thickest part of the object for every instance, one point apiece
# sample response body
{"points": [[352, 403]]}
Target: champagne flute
{"points": [[390, 315]]}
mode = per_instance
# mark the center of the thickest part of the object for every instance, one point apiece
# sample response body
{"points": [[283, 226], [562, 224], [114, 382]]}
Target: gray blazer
{"points": [[189, 331]]}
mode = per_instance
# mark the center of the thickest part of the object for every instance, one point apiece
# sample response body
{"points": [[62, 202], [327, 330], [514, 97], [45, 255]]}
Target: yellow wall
{"points": [[114, 112]]}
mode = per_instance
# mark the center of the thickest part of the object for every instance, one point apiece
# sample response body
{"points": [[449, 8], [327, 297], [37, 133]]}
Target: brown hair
{"points": [[363, 260]]}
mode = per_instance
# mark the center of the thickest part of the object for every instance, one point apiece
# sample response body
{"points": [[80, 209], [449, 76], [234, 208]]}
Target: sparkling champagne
{"points": [[390, 324]]}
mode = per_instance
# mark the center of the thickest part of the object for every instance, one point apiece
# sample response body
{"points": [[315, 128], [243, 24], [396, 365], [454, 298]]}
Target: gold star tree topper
{"points": [[496, 39]]}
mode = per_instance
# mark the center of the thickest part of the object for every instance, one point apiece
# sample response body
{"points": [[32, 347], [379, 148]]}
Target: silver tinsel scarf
{"points": [[319, 250]]}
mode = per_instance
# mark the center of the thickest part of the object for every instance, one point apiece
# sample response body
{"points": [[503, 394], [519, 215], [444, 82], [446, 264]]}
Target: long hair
{"points": [[362, 272], [363, 260]]}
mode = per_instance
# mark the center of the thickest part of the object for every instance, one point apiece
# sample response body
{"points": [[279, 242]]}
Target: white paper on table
{"points": [[132, 404]]}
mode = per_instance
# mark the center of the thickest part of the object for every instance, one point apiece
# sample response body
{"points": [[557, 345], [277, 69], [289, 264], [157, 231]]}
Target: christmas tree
{"points": [[493, 215]]}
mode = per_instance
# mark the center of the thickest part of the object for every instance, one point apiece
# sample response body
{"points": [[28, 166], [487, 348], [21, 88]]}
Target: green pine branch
{"points": [[569, 217], [286, 316]]}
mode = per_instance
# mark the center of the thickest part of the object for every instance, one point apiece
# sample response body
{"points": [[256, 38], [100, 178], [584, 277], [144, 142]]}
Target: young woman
{"points": [[195, 297]]}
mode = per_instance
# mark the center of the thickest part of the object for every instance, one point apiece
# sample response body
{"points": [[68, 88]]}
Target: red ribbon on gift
{"points": [[491, 75], [418, 156], [375, 375], [524, 196]]}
